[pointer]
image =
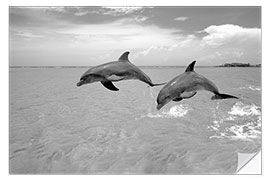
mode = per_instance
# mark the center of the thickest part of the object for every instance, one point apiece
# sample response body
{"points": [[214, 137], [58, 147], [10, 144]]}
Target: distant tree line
{"points": [[239, 65]]}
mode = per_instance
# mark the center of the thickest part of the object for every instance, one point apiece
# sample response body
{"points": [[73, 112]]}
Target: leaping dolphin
{"points": [[110, 72], [186, 86]]}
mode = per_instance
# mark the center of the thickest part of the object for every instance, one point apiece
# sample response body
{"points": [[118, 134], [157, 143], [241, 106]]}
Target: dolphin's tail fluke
{"points": [[222, 96]]}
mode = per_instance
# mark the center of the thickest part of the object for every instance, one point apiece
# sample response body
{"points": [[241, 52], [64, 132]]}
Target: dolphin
{"points": [[114, 71], [185, 86]]}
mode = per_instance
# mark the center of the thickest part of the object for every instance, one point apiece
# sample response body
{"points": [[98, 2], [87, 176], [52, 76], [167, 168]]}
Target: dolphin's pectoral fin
{"points": [[186, 95], [109, 85], [177, 99]]}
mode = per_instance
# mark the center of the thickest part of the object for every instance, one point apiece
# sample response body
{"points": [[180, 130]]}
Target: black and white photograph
{"points": [[134, 90]]}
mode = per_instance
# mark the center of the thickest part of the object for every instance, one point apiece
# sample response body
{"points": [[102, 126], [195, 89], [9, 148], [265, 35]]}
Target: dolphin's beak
{"points": [[80, 83], [159, 106], [162, 103]]}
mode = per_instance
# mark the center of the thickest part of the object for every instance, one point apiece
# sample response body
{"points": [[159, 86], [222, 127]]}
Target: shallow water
{"points": [[58, 128]]}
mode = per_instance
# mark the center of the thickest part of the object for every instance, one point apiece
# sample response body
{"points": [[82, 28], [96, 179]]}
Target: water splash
{"points": [[244, 132], [243, 122], [173, 112], [240, 109]]}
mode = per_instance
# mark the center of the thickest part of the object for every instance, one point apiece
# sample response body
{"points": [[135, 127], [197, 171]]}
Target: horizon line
{"points": [[73, 66]]}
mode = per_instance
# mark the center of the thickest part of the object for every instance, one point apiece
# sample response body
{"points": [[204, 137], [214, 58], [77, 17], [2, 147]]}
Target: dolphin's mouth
{"points": [[159, 106], [80, 83]]}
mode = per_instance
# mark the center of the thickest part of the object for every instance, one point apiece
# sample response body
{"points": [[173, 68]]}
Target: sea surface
{"points": [[56, 127]]}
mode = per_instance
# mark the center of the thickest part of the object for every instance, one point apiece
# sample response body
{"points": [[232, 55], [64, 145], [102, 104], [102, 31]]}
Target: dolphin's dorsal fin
{"points": [[124, 56], [190, 67]]}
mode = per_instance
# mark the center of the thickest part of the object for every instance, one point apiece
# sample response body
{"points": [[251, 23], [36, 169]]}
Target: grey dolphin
{"points": [[186, 86], [110, 72]]}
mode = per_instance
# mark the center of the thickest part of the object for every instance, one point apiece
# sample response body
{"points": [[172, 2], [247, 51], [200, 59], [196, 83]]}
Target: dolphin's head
{"points": [[90, 78], [81, 82], [163, 98], [84, 81]]}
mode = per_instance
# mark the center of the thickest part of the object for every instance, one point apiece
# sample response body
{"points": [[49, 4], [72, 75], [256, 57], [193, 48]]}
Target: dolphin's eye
{"points": [[84, 78]]}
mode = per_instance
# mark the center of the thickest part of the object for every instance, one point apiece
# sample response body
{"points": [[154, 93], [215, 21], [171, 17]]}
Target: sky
{"points": [[154, 36]]}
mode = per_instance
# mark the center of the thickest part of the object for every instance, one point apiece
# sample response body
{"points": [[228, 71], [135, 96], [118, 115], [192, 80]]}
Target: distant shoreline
{"points": [[239, 65]]}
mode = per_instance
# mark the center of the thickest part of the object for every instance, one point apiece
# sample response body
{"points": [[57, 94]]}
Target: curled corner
{"points": [[249, 163]]}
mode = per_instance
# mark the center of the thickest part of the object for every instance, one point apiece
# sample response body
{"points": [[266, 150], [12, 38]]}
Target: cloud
{"points": [[118, 11], [52, 9], [140, 18], [180, 51], [89, 42], [124, 33], [221, 44], [81, 13], [223, 55], [231, 34], [231, 43], [107, 11], [181, 18], [154, 49], [26, 34], [96, 35]]}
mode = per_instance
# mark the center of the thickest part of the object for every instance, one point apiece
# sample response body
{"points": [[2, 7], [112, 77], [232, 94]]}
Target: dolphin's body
{"points": [[186, 86], [110, 72]]}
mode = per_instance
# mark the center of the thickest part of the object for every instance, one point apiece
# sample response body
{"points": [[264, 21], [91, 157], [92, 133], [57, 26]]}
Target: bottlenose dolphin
{"points": [[110, 72], [186, 86]]}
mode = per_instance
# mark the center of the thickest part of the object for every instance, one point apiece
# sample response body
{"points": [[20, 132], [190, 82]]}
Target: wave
{"points": [[244, 132], [173, 112], [251, 87], [240, 109], [243, 122]]}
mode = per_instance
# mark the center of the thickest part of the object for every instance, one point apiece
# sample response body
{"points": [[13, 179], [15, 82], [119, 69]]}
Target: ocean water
{"points": [[56, 127]]}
